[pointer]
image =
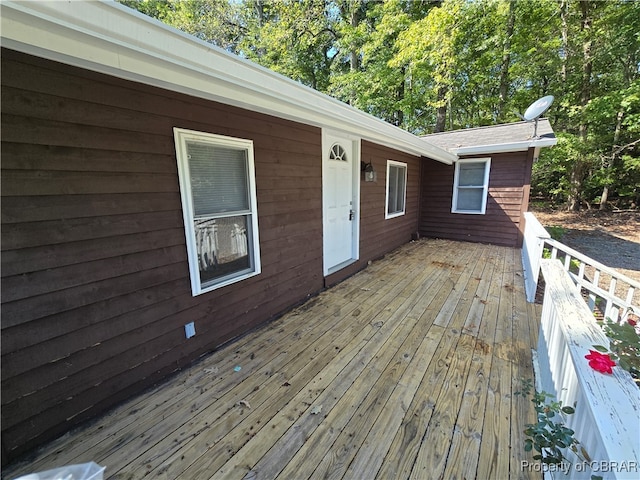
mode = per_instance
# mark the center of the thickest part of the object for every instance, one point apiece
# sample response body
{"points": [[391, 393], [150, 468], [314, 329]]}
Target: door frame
{"points": [[328, 139]]}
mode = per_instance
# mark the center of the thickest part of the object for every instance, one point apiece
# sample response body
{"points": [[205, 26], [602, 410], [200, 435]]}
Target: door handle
{"points": [[351, 214]]}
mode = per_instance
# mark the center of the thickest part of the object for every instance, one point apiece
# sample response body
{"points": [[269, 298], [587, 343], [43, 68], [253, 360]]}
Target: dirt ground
{"points": [[612, 238]]}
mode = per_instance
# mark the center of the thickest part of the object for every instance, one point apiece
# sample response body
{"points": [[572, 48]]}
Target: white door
{"points": [[340, 201]]}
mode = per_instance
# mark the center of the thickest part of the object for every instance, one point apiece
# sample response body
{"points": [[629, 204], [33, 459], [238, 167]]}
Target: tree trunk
{"points": [[259, 6], [575, 185], [587, 65], [357, 15], [400, 91], [579, 167], [610, 162], [441, 112], [564, 12], [506, 60]]}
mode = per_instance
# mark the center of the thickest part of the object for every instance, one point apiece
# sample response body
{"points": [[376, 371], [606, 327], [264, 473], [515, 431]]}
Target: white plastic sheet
{"points": [[82, 471]]}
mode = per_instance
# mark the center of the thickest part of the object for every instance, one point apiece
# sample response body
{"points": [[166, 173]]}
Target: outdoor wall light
{"points": [[369, 173]]}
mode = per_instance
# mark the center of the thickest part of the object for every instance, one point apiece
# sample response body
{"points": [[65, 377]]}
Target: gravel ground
{"points": [[612, 238]]}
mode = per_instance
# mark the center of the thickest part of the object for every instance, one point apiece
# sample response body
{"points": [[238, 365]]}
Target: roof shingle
{"points": [[515, 136]]}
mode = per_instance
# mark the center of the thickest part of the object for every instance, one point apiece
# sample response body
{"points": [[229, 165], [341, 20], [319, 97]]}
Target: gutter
{"points": [[505, 147]]}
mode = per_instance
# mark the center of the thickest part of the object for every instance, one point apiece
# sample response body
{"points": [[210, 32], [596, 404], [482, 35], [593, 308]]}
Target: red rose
{"points": [[600, 362], [632, 322]]}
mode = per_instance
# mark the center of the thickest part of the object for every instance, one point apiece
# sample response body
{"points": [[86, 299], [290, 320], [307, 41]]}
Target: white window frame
{"points": [[484, 187], [399, 213], [181, 137]]}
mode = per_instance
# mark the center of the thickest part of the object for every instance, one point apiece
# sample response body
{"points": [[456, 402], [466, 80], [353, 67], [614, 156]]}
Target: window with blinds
{"points": [[471, 186], [396, 189], [217, 185]]}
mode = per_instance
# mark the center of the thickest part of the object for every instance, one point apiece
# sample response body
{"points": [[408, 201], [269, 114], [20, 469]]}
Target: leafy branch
{"points": [[624, 344], [549, 436]]}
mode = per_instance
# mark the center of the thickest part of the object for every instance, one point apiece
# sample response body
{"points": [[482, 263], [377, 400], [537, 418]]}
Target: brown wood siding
{"points": [[377, 234], [508, 198], [95, 281]]}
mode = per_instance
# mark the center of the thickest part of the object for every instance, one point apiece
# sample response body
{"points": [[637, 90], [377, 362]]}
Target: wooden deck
{"points": [[406, 370]]}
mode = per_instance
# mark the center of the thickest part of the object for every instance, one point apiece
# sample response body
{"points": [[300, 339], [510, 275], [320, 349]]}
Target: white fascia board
{"points": [[110, 38], [505, 147]]}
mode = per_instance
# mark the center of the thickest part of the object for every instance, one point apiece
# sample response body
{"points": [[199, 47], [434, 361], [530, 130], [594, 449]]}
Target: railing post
{"points": [[532, 247]]}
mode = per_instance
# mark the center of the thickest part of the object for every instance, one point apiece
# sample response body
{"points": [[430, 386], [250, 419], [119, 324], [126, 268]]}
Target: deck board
{"points": [[406, 370], [496, 440]]}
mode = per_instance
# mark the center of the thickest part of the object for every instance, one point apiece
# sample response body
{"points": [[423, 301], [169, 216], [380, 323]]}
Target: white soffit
{"points": [[109, 38]]}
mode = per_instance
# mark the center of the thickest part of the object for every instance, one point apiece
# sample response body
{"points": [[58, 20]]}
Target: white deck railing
{"points": [[613, 293], [607, 417], [532, 248]]}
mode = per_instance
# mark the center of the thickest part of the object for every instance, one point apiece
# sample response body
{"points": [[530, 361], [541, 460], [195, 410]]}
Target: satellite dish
{"points": [[535, 110]]}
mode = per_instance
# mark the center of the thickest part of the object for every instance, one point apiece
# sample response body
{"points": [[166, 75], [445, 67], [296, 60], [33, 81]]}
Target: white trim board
{"points": [[505, 147]]}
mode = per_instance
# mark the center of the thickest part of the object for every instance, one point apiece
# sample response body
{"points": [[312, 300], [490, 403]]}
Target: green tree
{"points": [[428, 51], [434, 65], [476, 63], [379, 84], [215, 21], [618, 105], [295, 38], [597, 104]]}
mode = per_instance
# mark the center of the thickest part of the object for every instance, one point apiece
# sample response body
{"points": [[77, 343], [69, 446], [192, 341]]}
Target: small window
{"points": [[338, 153], [396, 188], [471, 185], [217, 186]]}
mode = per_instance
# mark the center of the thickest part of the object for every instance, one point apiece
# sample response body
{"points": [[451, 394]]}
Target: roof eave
{"points": [[112, 39], [505, 147]]}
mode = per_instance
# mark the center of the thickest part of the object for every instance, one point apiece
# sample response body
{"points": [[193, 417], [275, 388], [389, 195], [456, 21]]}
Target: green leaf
{"points": [[624, 364]]}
